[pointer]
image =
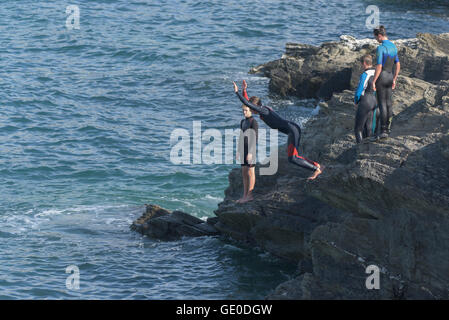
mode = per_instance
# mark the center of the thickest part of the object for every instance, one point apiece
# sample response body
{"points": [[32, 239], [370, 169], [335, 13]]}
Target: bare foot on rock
{"points": [[316, 173], [248, 198], [240, 200]]}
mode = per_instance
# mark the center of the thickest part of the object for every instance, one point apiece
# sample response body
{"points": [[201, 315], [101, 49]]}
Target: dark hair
{"points": [[367, 58], [380, 30], [255, 100]]}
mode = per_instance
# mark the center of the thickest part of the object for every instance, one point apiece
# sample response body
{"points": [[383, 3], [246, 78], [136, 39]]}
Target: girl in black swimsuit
{"points": [[247, 151]]}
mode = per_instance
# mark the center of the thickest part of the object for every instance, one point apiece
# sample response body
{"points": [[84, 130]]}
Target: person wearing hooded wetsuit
{"points": [[387, 58], [275, 121]]}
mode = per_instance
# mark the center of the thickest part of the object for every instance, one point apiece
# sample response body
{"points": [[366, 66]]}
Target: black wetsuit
{"points": [[248, 146], [275, 121], [366, 99], [372, 126], [387, 56]]}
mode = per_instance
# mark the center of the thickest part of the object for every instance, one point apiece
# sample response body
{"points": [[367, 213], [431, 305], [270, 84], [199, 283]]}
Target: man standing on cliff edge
{"points": [[384, 80]]}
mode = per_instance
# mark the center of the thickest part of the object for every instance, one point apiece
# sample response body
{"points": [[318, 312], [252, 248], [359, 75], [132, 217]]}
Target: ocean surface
{"points": [[85, 122]]}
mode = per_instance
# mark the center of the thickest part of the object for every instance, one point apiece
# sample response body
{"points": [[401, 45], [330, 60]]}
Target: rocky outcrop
{"points": [[282, 216], [309, 71], [158, 223], [384, 204]]}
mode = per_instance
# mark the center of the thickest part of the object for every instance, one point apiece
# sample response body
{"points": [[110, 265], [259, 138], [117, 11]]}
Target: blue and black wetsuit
{"points": [[387, 56], [367, 113], [275, 121]]}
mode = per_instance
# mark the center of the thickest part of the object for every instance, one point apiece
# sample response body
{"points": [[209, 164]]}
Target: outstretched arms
{"points": [[261, 110]]}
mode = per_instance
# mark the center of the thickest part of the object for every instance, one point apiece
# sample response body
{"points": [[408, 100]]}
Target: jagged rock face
{"points": [[280, 219], [317, 72], [383, 203], [158, 223], [397, 192]]}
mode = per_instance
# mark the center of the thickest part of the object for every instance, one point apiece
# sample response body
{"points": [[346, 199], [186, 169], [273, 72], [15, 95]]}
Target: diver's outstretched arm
{"points": [[244, 87], [261, 110]]}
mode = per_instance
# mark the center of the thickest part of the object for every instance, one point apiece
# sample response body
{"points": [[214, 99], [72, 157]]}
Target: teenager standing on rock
{"points": [[247, 148], [384, 80], [366, 102], [275, 121]]}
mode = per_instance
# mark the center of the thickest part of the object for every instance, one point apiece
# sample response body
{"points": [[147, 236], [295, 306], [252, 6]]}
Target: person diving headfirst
{"points": [[275, 121]]}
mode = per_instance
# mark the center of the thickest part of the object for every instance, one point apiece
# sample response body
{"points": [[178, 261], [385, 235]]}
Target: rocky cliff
{"points": [[384, 204], [309, 71]]}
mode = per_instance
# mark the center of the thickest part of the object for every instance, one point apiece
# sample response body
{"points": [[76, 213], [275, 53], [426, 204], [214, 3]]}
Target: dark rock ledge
{"points": [[162, 224]]}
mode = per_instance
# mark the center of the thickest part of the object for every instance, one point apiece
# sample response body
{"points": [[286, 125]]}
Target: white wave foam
{"points": [[208, 196], [244, 75], [19, 222]]}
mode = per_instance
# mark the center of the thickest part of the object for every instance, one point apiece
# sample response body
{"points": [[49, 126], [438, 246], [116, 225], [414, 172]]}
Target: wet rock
{"points": [[308, 71], [162, 224]]}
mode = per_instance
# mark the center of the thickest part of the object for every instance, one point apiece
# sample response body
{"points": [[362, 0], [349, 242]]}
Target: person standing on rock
{"points": [[384, 80], [366, 102], [247, 148], [275, 121]]}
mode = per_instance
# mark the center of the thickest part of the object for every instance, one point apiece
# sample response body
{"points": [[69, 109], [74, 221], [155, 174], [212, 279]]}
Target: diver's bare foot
{"points": [[315, 174], [240, 200], [248, 198]]}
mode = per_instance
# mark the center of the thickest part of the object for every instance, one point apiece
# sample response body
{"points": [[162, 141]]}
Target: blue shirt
{"points": [[363, 83], [387, 50]]}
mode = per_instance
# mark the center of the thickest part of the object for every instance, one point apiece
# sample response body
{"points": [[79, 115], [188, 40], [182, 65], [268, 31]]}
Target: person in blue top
{"points": [[366, 102], [384, 80]]}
